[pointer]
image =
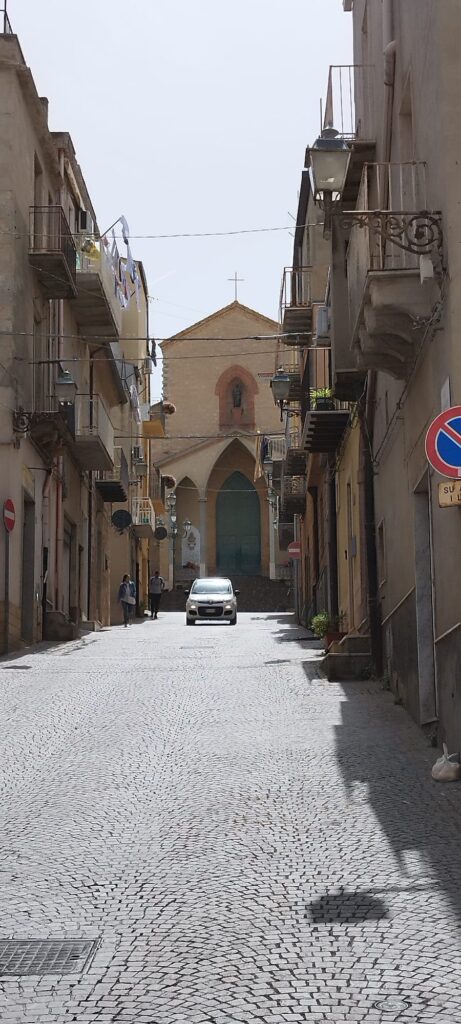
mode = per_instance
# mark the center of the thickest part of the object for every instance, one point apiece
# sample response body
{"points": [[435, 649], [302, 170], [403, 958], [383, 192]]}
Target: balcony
{"points": [[143, 515], [157, 492], [96, 306], [349, 107], [273, 451], [296, 305], [51, 427], [155, 425], [113, 484], [52, 252], [394, 260], [94, 433], [293, 497], [295, 459], [325, 418]]}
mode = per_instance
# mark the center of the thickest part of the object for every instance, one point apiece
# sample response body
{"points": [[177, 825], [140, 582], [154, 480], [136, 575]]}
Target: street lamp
{"points": [[175, 529], [65, 388], [329, 159], [280, 384]]}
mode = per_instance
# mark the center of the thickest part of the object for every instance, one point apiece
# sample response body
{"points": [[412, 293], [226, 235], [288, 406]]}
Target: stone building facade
{"points": [[74, 390], [216, 374]]}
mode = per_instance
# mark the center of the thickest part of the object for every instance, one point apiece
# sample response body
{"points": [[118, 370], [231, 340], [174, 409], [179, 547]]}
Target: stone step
{"points": [[347, 667], [354, 643]]}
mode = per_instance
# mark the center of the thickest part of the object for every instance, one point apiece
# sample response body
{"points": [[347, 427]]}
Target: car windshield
{"points": [[212, 587]]}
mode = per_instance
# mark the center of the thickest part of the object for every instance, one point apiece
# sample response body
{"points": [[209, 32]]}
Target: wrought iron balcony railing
{"points": [[296, 304], [349, 102], [52, 251], [391, 228], [113, 485]]}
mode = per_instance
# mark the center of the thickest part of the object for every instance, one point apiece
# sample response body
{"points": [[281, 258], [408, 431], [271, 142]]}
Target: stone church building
{"points": [[217, 374]]}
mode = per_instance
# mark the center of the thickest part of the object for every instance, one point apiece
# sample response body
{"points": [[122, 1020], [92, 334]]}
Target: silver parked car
{"points": [[211, 598]]}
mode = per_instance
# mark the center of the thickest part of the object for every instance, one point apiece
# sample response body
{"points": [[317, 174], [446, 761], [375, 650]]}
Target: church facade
{"points": [[217, 374]]}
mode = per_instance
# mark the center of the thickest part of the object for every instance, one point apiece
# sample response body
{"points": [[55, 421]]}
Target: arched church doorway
{"points": [[238, 528]]}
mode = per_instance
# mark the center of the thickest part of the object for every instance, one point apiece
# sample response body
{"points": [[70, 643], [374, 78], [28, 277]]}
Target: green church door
{"points": [[238, 528]]}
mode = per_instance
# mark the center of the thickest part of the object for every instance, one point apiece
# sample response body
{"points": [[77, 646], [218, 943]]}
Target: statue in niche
{"points": [[237, 395]]}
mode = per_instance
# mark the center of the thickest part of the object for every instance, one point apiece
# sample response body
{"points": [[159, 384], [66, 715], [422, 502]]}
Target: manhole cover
{"points": [[45, 956], [392, 1005]]}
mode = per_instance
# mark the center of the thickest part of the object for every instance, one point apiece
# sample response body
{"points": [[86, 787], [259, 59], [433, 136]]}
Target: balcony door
{"points": [[238, 528]]}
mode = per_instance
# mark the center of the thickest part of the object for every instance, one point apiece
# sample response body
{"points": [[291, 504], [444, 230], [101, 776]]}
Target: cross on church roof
{"points": [[236, 281]]}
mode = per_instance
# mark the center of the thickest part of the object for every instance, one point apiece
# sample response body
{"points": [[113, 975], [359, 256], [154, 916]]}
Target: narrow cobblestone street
{"points": [[247, 841]]}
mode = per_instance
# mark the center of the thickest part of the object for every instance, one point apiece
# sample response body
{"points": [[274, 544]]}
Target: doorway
{"points": [[238, 527]]}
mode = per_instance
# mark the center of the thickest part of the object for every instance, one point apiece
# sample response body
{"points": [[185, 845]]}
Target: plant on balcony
{"points": [[321, 398], [168, 408], [169, 481]]}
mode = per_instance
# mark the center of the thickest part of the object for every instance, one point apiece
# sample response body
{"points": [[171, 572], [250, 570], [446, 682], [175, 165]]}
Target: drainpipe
{"points": [[59, 539], [390, 49], [374, 607], [332, 542], [314, 493], [45, 542], [90, 514]]}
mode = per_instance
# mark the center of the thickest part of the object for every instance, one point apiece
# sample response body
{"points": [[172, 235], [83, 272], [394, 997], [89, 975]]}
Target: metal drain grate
{"points": [[45, 956], [393, 1004]]}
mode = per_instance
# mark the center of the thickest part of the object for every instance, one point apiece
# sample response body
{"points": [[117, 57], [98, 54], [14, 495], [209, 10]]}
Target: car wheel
{"points": [[190, 622], [233, 622]]}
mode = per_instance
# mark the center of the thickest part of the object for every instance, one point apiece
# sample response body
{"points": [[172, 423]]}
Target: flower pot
{"points": [[332, 638], [324, 404]]}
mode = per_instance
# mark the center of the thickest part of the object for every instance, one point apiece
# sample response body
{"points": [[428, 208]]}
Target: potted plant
{"points": [[326, 627], [321, 399]]}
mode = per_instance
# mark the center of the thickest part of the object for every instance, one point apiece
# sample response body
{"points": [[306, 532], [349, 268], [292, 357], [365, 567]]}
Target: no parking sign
{"points": [[443, 443]]}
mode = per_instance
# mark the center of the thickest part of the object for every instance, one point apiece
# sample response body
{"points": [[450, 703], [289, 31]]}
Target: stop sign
{"points": [[294, 549], [9, 515]]}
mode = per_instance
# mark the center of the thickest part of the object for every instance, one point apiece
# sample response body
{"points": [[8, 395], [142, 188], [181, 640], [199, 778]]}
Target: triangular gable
{"points": [[273, 325], [193, 449]]}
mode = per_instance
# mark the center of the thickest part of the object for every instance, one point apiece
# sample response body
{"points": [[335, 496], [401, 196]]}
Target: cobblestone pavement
{"points": [[248, 842]]}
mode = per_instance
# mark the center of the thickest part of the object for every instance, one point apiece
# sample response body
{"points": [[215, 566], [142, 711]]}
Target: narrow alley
{"points": [[242, 840]]}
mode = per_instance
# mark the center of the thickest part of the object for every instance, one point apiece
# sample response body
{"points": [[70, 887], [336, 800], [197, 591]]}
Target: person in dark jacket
{"points": [[127, 598]]}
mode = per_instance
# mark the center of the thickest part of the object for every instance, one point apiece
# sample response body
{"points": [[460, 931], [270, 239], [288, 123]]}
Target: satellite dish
{"points": [[121, 519], [160, 533]]}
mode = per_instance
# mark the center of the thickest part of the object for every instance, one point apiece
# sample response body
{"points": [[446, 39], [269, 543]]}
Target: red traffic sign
{"points": [[294, 549], [9, 515], [443, 443]]}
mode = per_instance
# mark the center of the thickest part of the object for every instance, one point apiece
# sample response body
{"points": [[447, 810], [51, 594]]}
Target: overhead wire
{"points": [[180, 234]]}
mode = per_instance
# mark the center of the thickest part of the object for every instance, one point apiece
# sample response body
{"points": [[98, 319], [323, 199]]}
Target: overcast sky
{"points": [[190, 117]]}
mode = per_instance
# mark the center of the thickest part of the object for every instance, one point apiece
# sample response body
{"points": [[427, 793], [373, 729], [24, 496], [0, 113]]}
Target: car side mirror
{"points": [[236, 592], [187, 592]]}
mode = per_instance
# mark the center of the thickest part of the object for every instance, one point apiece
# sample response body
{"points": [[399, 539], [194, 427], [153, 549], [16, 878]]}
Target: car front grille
{"points": [[212, 611]]}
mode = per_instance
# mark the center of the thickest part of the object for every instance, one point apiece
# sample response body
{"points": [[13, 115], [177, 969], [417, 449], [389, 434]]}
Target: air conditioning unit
{"points": [[137, 453], [85, 222], [322, 331]]}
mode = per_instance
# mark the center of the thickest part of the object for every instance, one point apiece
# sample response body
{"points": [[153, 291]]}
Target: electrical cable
{"points": [[180, 234]]}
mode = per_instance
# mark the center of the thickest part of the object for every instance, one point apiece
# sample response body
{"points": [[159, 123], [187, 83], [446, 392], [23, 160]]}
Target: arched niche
{"points": [[236, 390]]}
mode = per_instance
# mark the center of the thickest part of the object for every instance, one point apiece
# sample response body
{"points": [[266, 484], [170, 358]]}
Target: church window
{"points": [[237, 395]]}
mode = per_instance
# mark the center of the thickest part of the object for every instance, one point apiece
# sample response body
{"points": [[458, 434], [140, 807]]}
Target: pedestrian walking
{"points": [[127, 598], [156, 588]]}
